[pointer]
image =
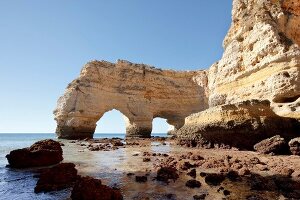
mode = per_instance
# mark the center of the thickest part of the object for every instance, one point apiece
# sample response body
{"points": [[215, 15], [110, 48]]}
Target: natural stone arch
{"points": [[138, 91]]}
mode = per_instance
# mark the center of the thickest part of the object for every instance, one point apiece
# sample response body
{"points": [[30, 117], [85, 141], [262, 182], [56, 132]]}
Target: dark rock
{"points": [[214, 179], [117, 143], [203, 174], [233, 176], [226, 192], [275, 145], [130, 174], [166, 173], [41, 153], [294, 145], [56, 178], [146, 159], [199, 197], [186, 165], [196, 157], [193, 184], [141, 179], [192, 173], [88, 188]]}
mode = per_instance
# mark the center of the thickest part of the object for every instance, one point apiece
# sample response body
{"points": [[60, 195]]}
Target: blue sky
{"points": [[44, 44]]}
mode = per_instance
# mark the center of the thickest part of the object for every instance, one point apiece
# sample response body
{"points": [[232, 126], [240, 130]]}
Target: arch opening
{"points": [[160, 127], [112, 123]]}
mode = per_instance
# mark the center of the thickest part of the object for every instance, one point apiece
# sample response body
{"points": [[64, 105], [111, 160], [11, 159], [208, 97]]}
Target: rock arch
{"points": [[138, 91]]}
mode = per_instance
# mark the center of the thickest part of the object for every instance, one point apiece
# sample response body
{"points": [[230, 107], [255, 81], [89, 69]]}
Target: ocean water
{"points": [[19, 184]]}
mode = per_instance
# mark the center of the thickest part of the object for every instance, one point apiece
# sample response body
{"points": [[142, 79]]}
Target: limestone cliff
{"points": [[138, 91], [261, 61], [261, 57], [240, 125]]}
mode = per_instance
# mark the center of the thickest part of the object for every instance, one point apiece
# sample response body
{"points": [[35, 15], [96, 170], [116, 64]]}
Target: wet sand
{"points": [[254, 171]]}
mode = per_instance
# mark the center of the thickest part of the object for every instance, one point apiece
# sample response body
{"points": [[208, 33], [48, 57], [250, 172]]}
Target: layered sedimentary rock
{"points": [[240, 125], [261, 57], [138, 91], [261, 61]]}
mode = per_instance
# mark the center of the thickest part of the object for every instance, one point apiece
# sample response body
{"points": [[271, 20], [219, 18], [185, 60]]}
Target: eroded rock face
{"points": [[261, 61], [239, 125], [138, 91], [41, 153], [261, 57]]}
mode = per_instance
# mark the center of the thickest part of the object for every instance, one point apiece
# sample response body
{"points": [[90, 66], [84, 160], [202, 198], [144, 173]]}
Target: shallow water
{"points": [[112, 168], [19, 184]]}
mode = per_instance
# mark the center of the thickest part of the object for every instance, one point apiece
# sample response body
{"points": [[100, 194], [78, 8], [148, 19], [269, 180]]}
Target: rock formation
{"points": [[138, 91], [240, 125], [261, 61], [261, 57], [41, 153], [56, 178]]}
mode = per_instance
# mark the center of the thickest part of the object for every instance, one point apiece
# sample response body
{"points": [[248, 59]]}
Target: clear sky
{"points": [[44, 44]]}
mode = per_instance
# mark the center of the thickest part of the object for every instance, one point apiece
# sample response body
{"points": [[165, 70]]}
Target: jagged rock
{"points": [[214, 179], [138, 91], [88, 188], [141, 179], [239, 125], [166, 173], [56, 178], [41, 153], [261, 57], [193, 184], [275, 145], [295, 146]]}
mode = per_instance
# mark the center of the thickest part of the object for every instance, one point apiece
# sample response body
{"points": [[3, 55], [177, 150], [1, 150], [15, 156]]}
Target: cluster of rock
{"points": [[45, 153], [261, 61]]}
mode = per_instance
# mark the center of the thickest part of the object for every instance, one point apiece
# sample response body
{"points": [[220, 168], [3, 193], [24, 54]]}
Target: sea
{"points": [[18, 184]]}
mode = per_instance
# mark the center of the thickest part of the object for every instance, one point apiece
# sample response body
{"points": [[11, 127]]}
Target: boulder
{"points": [[88, 188], [42, 153], [166, 173], [193, 183], [274, 145], [58, 177], [294, 145]]}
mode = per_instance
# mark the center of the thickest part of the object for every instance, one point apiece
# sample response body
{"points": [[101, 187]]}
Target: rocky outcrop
{"points": [[261, 60], [294, 145], [41, 153], [138, 91], [88, 188], [56, 178], [273, 145], [261, 57], [240, 125]]}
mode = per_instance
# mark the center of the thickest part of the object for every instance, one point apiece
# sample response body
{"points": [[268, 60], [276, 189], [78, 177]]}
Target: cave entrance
{"points": [[111, 124], [160, 127]]}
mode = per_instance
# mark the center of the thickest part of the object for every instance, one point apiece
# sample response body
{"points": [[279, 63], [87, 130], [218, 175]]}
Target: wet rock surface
{"points": [[88, 188], [42, 153], [167, 173], [56, 178]]}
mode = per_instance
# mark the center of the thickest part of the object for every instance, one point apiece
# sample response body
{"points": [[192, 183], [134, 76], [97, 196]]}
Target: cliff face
{"points": [[261, 61], [138, 91], [261, 57]]}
